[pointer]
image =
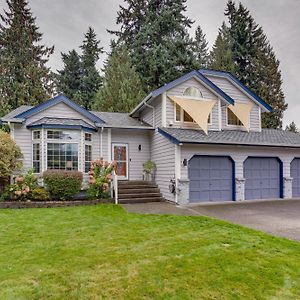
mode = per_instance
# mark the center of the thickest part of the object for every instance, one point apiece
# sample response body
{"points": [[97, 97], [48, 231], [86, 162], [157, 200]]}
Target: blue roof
{"points": [[198, 75], [239, 83], [57, 99]]}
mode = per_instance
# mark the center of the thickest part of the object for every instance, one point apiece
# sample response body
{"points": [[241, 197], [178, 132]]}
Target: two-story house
{"points": [[203, 131]]}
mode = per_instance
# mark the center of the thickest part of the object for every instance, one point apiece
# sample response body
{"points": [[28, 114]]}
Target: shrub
{"points": [[40, 194], [149, 166], [100, 178], [10, 155], [23, 186], [62, 185]]}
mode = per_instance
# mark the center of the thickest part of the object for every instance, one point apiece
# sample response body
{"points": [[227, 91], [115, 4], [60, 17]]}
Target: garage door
{"points": [[295, 174], [211, 178], [263, 178]]}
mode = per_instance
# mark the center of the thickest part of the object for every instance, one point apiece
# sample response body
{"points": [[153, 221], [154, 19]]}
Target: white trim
{"points": [[177, 168], [127, 158], [101, 142], [219, 114], [43, 154], [164, 110], [12, 130], [259, 116], [109, 145]]}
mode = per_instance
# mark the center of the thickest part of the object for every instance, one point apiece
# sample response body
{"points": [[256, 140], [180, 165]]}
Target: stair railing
{"points": [[114, 187]]}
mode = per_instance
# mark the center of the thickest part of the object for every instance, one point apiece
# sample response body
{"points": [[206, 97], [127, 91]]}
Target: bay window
{"points": [[36, 157]]}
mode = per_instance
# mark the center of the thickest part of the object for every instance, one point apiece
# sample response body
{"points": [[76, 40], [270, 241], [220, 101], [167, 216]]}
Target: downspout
{"points": [[101, 140]]}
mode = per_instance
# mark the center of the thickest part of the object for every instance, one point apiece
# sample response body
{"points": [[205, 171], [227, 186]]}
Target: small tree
{"points": [[10, 155]]}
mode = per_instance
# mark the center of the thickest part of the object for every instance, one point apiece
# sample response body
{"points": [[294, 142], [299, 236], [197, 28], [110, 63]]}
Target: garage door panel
{"points": [[262, 178], [210, 178], [295, 174]]}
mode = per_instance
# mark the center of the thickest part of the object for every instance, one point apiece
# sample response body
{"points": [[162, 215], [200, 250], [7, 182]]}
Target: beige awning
{"points": [[242, 111], [198, 109]]}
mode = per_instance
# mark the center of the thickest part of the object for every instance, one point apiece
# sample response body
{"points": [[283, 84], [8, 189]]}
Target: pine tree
{"points": [[292, 127], [91, 79], [251, 58], [122, 89], [220, 57], [69, 78], [156, 34], [201, 48], [25, 78]]}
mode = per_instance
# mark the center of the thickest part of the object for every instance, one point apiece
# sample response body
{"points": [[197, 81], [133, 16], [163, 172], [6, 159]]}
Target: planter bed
{"points": [[45, 204]]}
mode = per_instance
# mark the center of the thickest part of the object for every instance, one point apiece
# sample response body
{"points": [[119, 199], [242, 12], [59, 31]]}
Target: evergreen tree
{"points": [[220, 57], [91, 79], [69, 78], [292, 127], [201, 48], [122, 89], [25, 78], [251, 58], [157, 38]]}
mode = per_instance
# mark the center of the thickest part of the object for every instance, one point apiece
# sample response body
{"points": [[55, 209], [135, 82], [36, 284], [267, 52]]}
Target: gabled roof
{"points": [[244, 88], [11, 116], [57, 99], [65, 123], [208, 83], [267, 137]]}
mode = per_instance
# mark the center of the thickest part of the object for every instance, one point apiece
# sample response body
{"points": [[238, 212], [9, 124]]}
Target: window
{"points": [[36, 135], [36, 158], [192, 92], [62, 156], [62, 135], [232, 119], [88, 137], [88, 158], [187, 117], [183, 116]]}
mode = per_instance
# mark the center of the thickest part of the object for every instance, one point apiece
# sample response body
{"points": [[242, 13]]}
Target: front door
{"points": [[120, 155]]}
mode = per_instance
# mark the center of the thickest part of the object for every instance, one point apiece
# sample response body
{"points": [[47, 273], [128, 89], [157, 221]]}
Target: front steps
{"points": [[134, 191]]}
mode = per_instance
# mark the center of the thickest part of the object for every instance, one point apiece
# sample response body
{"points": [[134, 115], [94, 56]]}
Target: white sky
{"points": [[63, 23]]}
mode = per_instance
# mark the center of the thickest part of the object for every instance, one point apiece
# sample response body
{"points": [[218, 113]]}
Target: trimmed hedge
{"points": [[62, 185]]}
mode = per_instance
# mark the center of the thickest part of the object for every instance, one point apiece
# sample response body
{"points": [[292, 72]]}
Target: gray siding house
{"points": [[203, 131]]}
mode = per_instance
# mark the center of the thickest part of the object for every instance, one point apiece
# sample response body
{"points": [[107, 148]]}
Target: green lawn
{"points": [[102, 252]]}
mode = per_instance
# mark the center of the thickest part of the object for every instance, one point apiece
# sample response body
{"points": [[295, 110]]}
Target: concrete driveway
{"points": [[278, 217]]}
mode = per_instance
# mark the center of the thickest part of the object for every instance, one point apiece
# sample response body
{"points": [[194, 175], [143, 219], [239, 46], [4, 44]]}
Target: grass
{"points": [[102, 252]]}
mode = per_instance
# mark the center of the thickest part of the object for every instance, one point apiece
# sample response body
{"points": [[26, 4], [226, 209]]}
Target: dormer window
{"points": [[232, 119], [181, 115]]}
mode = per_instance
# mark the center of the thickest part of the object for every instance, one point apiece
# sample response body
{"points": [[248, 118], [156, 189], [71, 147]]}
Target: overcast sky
{"points": [[63, 23]]}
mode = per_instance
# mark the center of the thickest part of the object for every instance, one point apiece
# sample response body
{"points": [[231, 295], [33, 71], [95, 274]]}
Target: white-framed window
{"points": [[62, 156], [180, 114], [68, 135], [36, 134], [87, 137], [232, 119], [87, 157], [36, 158]]}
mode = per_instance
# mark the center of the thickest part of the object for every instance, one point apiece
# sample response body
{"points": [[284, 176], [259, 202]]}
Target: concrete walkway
{"points": [[278, 217]]}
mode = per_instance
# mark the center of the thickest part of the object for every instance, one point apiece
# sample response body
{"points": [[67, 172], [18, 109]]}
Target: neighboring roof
{"points": [[120, 120], [239, 83], [57, 99], [11, 116], [267, 137], [47, 122], [182, 79]]}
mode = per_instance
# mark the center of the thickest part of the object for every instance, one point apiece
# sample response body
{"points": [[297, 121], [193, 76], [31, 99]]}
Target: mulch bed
{"points": [[46, 204]]}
